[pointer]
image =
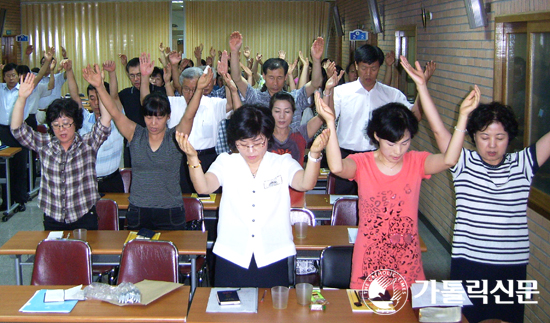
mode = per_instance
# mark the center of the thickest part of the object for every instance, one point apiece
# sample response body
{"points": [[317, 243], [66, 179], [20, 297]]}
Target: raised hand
{"points": [[198, 51], [67, 64], [470, 102], [123, 59], [53, 64], [174, 57], [415, 73], [26, 85], [222, 64], [161, 47], [205, 79], [235, 41], [323, 109], [167, 77], [63, 52], [317, 48], [29, 50], [304, 60], [246, 70], [292, 66], [184, 64], [92, 75], [212, 52], [109, 66], [320, 142], [49, 54], [259, 58], [185, 145], [430, 69], [229, 82], [246, 52], [209, 61], [390, 58], [333, 80], [146, 66], [282, 54], [330, 67]]}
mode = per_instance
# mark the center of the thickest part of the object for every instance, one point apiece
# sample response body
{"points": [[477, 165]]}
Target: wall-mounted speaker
{"points": [[375, 17], [337, 21], [477, 17]]}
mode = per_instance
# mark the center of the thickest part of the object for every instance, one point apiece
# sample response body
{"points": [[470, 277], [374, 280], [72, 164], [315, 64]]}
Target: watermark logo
{"points": [[377, 285]]}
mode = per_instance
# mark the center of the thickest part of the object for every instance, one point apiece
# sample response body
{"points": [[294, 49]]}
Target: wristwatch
{"points": [[315, 160]]}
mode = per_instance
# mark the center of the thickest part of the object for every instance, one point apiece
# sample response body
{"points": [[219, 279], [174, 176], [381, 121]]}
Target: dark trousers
{"points": [[344, 186], [88, 221], [111, 183], [207, 157], [462, 269], [228, 274], [18, 169], [155, 218], [127, 157]]}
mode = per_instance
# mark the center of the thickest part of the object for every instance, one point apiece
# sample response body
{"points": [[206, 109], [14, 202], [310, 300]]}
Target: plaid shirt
{"points": [[221, 143], [68, 188]]}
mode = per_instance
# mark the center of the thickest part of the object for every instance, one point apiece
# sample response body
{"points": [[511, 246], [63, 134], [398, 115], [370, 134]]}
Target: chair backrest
{"points": [[62, 262], [107, 213], [126, 174], [194, 213], [335, 266], [302, 215], [331, 184], [148, 259], [345, 211]]}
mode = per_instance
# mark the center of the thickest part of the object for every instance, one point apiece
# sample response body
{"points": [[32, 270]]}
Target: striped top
{"points": [[491, 205]]}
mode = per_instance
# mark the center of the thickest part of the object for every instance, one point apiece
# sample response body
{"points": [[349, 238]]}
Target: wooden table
{"points": [[171, 307], [105, 242], [5, 156], [122, 200], [338, 310]]}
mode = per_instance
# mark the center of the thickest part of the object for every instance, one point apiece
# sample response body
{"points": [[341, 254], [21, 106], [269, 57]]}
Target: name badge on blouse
{"points": [[273, 182]]}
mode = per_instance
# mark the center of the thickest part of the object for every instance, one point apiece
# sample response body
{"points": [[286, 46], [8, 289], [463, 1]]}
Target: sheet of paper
{"points": [[248, 297], [352, 234], [55, 235], [75, 293], [54, 295]]}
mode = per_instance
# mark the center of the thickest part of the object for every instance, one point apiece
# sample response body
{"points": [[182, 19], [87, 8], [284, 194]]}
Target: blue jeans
{"points": [[155, 218]]}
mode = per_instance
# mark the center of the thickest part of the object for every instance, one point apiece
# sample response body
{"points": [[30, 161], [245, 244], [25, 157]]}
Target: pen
{"points": [[263, 296]]}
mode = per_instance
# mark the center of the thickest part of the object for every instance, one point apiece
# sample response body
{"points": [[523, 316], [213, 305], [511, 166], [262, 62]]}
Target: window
{"points": [[522, 48]]}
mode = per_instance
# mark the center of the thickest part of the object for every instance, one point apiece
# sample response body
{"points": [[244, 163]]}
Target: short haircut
{"points": [[190, 73], [156, 104], [64, 108], [349, 66], [487, 113], [390, 122], [134, 62], [35, 70], [22, 70], [273, 64], [9, 67], [92, 88], [369, 54], [158, 72], [249, 121], [282, 96]]}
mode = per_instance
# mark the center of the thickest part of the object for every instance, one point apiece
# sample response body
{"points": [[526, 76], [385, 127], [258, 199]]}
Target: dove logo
{"points": [[377, 285]]}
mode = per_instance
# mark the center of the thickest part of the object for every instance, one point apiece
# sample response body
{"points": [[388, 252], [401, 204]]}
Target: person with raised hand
{"points": [[491, 236], [254, 230], [68, 188], [389, 181]]}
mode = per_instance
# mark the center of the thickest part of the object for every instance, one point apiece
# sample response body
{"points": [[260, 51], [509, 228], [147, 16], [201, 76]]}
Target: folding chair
{"points": [[194, 215], [336, 266], [345, 211], [107, 213]]}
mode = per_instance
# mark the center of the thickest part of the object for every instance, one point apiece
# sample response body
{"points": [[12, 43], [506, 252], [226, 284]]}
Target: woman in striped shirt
{"points": [[491, 237]]}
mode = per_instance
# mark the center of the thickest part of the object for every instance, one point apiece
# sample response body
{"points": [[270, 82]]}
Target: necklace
{"points": [[382, 161]]}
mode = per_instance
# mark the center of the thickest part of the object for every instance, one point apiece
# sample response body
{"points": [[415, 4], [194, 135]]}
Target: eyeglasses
{"points": [[63, 125], [134, 76], [396, 238], [253, 147], [187, 90], [11, 76]]}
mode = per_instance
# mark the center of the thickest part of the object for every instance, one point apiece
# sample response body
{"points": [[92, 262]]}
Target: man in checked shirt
{"points": [[68, 189]]}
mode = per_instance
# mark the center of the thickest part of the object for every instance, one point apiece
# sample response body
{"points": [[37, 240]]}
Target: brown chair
{"points": [[126, 174], [345, 211], [331, 184], [194, 216], [62, 262], [148, 259], [302, 215], [107, 213]]}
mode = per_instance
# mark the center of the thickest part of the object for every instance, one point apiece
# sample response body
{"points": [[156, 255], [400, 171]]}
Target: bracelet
{"points": [[463, 131], [194, 166], [315, 160], [324, 94]]}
